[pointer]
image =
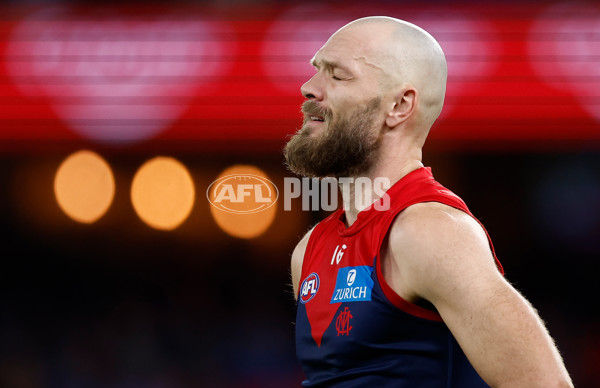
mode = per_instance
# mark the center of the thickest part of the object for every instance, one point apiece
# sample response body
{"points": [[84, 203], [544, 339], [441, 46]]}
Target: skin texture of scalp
{"points": [[407, 57]]}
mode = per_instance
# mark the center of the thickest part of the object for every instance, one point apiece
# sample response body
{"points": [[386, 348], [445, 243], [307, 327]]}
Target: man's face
{"points": [[343, 113]]}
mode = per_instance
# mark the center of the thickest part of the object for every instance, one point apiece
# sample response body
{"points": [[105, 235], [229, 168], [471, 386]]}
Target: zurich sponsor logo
{"points": [[353, 284], [309, 287], [351, 277]]}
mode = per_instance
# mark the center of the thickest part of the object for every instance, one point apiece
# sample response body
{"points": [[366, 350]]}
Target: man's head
{"points": [[375, 76]]}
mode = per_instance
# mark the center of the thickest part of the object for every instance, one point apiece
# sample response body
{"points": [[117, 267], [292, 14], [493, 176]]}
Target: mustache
{"points": [[312, 108]]}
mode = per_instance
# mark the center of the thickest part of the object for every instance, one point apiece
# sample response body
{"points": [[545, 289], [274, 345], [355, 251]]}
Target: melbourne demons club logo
{"points": [[342, 323], [309, 287]]}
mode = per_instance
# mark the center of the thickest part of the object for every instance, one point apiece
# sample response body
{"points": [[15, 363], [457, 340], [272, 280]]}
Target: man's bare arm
{"points": [[297, 260], [442, 255]]}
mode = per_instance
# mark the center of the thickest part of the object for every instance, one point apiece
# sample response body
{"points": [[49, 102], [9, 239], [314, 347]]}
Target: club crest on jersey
{"points": [[309, 287], [342, 323], [353, 284]]}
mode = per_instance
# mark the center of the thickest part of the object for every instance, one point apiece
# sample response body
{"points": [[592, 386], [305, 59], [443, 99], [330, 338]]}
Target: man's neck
{"points": [[359, 196]]}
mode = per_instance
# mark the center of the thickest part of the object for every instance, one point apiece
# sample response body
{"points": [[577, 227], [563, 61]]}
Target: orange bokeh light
{"points": [[243, 201], [84, 186], [162, 193]]}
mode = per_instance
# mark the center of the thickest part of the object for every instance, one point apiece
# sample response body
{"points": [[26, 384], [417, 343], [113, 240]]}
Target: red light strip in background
{"points": [[228, 77]]}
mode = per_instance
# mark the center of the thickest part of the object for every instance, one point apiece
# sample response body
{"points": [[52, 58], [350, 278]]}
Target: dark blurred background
{"points": [[115, 302]]}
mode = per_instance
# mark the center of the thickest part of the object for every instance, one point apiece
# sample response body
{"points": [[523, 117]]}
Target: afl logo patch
{"points": [[309, 287]]}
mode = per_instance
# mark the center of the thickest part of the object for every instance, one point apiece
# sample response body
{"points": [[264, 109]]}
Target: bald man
{"points": [[406, 292]]}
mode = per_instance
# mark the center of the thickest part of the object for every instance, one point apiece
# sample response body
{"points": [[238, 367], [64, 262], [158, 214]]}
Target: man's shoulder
{"points": [[431, 213], [302, 244], [434, 247], [298, 260], [431, 228]]}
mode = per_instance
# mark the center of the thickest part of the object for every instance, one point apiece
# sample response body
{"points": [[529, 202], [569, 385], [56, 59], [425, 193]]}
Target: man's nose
{"points": [[312, 89]]}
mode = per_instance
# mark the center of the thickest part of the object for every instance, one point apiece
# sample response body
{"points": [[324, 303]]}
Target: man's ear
{"points": [[406, 104]]}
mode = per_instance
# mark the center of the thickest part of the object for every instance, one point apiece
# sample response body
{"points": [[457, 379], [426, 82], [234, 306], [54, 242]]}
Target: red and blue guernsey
{"points": [[352, 329]]}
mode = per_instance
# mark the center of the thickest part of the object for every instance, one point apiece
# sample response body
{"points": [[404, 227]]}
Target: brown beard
{"points": [[346, 148]]}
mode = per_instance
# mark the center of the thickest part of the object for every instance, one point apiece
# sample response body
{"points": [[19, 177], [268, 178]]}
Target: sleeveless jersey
{"points": [[352, 329]]}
